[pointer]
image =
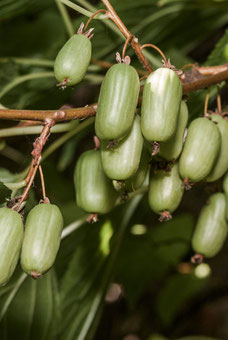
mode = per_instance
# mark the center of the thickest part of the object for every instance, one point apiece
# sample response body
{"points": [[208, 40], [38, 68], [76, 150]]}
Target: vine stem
{"points": [[92, 17], [36, 153], [90, 111], [219, 103], [156, 48], [206, 103], [123, 29]]}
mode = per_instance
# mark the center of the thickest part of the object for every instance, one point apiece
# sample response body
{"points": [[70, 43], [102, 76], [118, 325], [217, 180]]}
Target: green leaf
{"points": [[4, 193], [151, 255], [219, 55], [89, 272], [177, 291], [29, 309]]}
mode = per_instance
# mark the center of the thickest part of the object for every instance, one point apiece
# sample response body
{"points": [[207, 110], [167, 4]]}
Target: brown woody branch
{"points": [[193, 83]]}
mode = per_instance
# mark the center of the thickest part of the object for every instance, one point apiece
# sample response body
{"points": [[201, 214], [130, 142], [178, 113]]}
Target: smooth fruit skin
{"points": [[165, 190], [225, 189], [94, 191], [171, 149], [42, 238], [200, 150], [221, 164], [211, 229], [160, 105], [73, 59], [135, 182], [12, 232], [122, 161], [117, 102]]}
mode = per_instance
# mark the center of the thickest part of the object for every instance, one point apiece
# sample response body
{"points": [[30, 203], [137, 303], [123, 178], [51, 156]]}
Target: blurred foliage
{"points": [[67, 303]]}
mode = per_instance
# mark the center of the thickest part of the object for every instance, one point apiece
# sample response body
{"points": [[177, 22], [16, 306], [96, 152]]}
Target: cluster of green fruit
{"points": [[163, 120], [37, 245], [121, 164]]}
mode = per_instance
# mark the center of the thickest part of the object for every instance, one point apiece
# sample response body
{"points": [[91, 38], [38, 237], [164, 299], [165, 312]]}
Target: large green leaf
{"points": [[30, 309], [150, 256], [89, 272]]}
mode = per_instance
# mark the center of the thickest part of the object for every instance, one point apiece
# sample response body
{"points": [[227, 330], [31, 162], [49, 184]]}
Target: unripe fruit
{"points": [[94, 191], [160, 105], [171, 149], [225, 189], [135, 182], [165, 190], [221, 164], [211, 228], [73, 60], [122, 161], [117, 102], [200, 150], [41, 242], [11, 231]]}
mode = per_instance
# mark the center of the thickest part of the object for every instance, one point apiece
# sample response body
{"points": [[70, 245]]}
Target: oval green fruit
{"points": [[221, 164], [171, 149], [135, 182], [12, 232], [200, 150], [160, 105], [41, 242], [117, 102], [225, 189], [165, 190], [122, 161], [73, 60], [211, 229], [94, 191]]}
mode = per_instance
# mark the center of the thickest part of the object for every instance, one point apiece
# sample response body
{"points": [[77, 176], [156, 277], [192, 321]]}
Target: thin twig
{"points": [[125, 45], [123, 29], [156, 48], [42, 183], [206, 102], [219, 104], [36, 153], [92, 16]]}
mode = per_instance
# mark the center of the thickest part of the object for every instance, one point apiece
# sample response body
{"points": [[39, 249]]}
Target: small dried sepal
{"points": [[126, 60], [62, 85], [197, 259], [35, 275], [156, 148], [165, 216], [187, 185], [118, 184], [92, 218], [167, 64], [87, 33]]}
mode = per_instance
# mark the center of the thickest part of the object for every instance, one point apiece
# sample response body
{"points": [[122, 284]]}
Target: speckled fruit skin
{"points": [[165, 190], [160, 105], [171, 149], [73, 60], [122, 161], [221, 164], [225, 189], [200, 150], [94, 191], [117, 102], [211, 229], [12, 232], [41, 242]]}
